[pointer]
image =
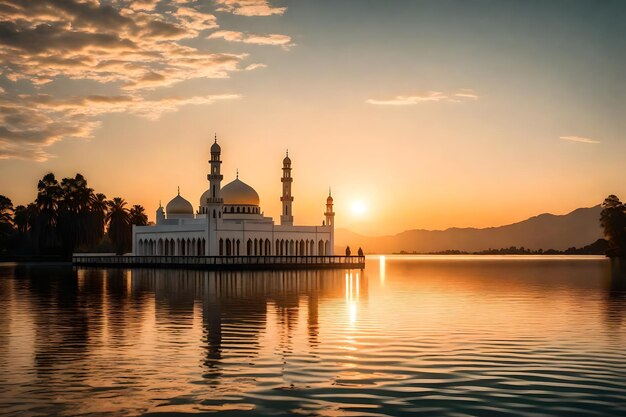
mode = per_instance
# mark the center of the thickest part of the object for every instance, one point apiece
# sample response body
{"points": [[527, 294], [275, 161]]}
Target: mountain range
{"points": [[545, 231]]}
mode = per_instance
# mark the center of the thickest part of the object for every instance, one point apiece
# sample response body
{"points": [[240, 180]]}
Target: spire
{"points": [[287, 153], [215, 137], [179, 190], [329, 193], [237, 173], [160, 205]]}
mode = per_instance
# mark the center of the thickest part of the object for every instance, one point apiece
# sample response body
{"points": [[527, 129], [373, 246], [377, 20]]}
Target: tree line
{"points": [[67, 217]]}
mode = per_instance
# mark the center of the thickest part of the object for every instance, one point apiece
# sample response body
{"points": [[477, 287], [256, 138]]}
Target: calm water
{"points": [[407, 336]]}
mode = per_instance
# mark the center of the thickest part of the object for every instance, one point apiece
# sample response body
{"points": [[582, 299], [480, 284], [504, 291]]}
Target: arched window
{"points": [[214, 213], [249, 247], [228, 248], [238, 252], [221, 251]]}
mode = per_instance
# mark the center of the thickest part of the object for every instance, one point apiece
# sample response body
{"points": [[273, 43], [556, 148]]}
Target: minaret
{"points": [[215, 177], [330, 214], [214, 202], [160, 214], [286, 218], [330, 222]]}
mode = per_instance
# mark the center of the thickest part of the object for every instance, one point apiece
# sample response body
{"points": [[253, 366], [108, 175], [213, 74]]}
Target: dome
{"points": [[215, 148], [179, 205], [238, 192], [287, 160], [203, 198]]}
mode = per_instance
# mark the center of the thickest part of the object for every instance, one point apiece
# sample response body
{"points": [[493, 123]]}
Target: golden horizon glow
{"points": [[409, 129]]}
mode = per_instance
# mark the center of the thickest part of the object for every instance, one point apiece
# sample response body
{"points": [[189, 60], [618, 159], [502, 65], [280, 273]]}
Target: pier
{"points": [[222, 262]]}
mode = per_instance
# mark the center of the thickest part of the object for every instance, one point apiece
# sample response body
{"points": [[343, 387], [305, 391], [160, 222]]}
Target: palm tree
{"points": [[74, 209], [20, 219], [6, 221], [138, 215], [98, 214], [47, 201], [118, 220]]}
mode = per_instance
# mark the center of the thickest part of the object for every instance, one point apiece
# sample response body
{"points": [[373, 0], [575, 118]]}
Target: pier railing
{"points": [[222, 262]]}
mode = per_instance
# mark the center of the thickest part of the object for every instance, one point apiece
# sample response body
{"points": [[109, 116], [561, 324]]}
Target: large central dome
{"points": [[238, 192]]}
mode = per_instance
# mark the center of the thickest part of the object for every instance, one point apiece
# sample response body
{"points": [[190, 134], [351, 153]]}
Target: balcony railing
{"points": [[218, 262]]}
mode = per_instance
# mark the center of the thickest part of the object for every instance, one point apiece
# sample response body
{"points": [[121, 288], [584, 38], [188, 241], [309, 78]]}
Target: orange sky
{"points": [[424, 115]]}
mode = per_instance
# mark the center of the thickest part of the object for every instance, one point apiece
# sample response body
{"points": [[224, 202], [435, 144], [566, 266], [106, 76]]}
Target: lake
{"points": [[456, 336]]}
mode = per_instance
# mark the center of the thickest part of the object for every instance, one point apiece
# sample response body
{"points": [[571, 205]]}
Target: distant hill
{"points": [[546, 231]]}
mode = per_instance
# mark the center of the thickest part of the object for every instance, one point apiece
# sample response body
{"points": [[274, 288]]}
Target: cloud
{"points": [[128, 48], [31, 123], [249, 7], [252, 67], [234, 36], [429, 96], [579, 139], [466, 93]]}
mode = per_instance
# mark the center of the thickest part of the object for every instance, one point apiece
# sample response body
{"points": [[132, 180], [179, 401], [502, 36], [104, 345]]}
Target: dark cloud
{"points": [[129, 47]]}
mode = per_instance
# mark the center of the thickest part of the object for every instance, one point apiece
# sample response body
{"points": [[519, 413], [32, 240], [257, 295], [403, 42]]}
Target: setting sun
{"points": [[358, 208]]}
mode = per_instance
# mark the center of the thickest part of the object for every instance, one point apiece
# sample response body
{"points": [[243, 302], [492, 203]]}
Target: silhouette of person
{"points": [[360, 252], [348, 251]]}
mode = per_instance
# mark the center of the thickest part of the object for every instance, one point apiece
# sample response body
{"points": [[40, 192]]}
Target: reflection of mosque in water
{"points": [[237, 307]]}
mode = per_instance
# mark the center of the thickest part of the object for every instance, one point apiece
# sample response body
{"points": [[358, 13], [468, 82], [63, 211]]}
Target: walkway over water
{"points": [[223, 262]]}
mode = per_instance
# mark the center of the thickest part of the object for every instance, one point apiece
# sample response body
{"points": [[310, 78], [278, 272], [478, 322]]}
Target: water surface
{"points": [[406, 336]]}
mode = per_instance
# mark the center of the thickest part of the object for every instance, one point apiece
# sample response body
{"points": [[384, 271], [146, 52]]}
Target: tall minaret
{"points": [[330, 222], [286, 218], [330, 214], [215, 177], [214, 202]]}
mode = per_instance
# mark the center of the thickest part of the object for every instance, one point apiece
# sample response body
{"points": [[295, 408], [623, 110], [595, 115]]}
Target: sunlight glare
{"points": [[358, 207]]}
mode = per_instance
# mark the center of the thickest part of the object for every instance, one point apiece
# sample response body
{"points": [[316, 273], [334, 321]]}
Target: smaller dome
{"points": [[329, 199], [203, 198], [178, 205], [287, 160], [215, 148]]}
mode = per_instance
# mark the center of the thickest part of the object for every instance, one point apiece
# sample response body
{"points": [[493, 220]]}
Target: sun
{"points": [[358, 208]]}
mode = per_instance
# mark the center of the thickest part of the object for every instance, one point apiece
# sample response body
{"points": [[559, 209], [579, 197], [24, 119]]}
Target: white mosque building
{"points": [[230, 222]]}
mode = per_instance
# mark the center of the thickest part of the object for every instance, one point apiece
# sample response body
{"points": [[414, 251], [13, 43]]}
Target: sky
{"points": [[418, 114]]}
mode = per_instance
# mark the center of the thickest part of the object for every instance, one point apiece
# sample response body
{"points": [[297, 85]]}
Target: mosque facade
{"points": [[229, 222]]}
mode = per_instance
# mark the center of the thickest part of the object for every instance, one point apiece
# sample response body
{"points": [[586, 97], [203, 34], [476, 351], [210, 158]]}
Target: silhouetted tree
{"points": [[6, 222], [98, 216], [74, 213], [118, 220], [47, 202], [138, 215], [20, 219], [613, 220]]}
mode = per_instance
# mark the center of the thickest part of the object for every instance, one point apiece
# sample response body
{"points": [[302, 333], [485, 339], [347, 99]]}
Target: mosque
{"points": [[229, 222]]}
